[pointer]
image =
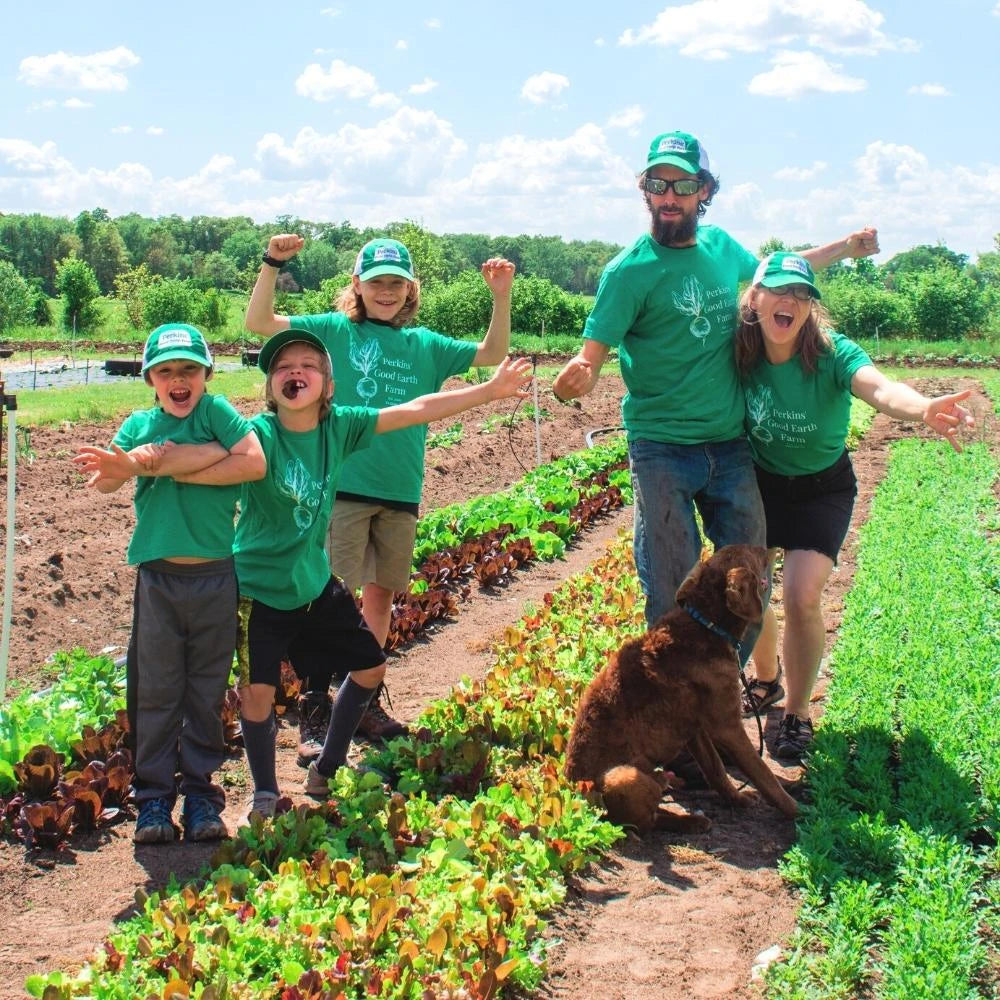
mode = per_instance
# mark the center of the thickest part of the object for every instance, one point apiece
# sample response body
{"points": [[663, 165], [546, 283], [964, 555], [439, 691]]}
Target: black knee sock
{"points": [[350, 704], [259, 742]]}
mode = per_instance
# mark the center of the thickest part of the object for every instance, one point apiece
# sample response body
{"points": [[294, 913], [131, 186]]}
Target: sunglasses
{"points": [[683, 188], [797, 291]]}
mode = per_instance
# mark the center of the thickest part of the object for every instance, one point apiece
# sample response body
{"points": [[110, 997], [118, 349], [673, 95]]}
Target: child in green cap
{"points": [[381, 359], [291, 605], [187, 454]]}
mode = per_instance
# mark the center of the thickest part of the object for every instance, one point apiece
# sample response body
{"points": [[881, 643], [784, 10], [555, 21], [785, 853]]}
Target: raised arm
{"points": [[862, 243], [508, 380], [581, 373], [244, 463], [499, 277], [260, 318], [941, 414]]}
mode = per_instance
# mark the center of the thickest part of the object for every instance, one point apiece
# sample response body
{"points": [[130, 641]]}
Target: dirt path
{"points": [[661, 918]]}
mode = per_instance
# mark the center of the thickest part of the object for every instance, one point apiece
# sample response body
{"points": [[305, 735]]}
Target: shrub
{"points": [[170, 301], [946, 303], [862, 310], [77, 283], [17, 298]]}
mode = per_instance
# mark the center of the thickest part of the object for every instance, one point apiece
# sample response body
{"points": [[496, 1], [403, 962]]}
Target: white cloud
{"points": [[331, 11], [154, 130], [340, 80], [402, 45], [797, 73], [49, 104], [385, 99], [433, 23], [629, 118], [425, 87], [996, 10], [544, 87], [75, 104], [121, 129], [800, 173], [600, 43], [99, 71], [930, 90], [715, 29], [406, 150], [897, 188]]}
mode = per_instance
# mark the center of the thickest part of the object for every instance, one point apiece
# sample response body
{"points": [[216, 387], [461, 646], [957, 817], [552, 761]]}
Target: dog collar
{"points": [[712, 627]]}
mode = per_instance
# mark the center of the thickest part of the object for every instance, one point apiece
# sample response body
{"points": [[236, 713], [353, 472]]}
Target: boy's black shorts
{"points": [[327, 632]]}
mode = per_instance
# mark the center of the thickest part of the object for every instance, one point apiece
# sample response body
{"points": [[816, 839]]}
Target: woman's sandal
{"points": [[762, 694]]}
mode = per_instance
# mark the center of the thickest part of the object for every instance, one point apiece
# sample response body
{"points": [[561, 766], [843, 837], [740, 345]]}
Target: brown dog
{"points": [[676, 687]]}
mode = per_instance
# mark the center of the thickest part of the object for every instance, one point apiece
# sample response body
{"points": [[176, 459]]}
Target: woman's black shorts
{"points": [[809, 512]]}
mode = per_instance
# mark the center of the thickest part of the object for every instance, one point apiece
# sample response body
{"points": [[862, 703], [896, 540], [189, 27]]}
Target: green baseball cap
{"points": [[279, 340], [677, 149], [175, 342], [784, 268], [383, 256]]}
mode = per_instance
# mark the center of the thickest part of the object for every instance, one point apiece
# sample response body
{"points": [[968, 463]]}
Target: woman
{"points": [[799, 377]]}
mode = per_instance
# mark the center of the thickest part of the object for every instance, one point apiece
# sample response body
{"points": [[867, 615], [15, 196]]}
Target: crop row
{"points": [[897, 859], [435, 889]]}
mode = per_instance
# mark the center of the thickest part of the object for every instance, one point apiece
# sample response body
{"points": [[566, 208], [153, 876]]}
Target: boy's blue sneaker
{"points": [[202, 820], [154, 825]]}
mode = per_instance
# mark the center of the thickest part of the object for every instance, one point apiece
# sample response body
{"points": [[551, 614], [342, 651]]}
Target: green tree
{"points": [[425, 251], [214, 310], [17, 299], [773, 244], [108, 255], [170, 300], [77, 284], [460, 308], [218, 270], [317, 261], [130, 289], [860, 309], [946, 304], [921, 258], [244, 248]]}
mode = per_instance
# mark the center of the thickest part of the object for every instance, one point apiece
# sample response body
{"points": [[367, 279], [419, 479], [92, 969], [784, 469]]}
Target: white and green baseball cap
{"points": [[274, 344], [175, 342], [383, 256], [784, 268], [677, 149]]}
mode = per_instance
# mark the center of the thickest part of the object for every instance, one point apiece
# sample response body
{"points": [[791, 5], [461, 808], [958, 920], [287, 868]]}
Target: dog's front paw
{"points": [[746, 798]]}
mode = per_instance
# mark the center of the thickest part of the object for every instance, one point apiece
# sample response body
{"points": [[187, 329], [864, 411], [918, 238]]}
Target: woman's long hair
{"points": [[813, 341], [353, 306]]}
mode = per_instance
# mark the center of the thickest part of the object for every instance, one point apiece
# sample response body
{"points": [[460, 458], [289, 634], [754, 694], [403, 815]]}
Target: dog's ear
{"points": [[743, 594]]}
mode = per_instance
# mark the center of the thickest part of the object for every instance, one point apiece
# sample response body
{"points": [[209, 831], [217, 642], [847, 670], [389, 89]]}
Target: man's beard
{"points": [[672, 234]]}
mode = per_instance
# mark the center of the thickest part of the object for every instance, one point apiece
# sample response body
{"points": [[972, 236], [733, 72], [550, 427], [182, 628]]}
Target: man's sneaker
{"points": [[377, 725], [154, 825], [314, 719], [316, 785], [795, 737], [202, 820]]}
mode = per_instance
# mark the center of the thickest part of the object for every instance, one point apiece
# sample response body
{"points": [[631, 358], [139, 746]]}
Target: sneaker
{"points": [[377, 725], [314, 718], [762, 694], [795, 736], [316, 785], [202, 820], [264, 803], [154, 825]]}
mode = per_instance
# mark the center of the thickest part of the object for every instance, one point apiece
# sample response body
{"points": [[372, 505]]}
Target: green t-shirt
{"points": [[377, 365], [280, 543], [797, 422], [183, 519], [671, 312]]}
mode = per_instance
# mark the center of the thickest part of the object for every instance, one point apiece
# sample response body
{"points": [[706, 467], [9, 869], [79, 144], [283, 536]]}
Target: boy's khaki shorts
{"points": [[368, 543]]}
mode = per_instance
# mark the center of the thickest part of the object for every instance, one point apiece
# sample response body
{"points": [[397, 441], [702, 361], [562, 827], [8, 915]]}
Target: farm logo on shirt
{"points": [[298, 485]]}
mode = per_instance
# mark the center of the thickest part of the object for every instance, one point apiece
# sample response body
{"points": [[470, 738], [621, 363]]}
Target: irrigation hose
{"points": [[10, 402]]}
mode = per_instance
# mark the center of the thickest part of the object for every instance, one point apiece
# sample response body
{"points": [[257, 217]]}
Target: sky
{"points": [[819, 116]]}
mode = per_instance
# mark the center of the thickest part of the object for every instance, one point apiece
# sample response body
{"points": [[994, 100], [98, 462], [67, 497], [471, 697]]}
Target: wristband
{"points": [[273, 261]]}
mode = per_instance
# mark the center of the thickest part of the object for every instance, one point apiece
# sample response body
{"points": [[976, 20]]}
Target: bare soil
{"points": [[662, 917]]}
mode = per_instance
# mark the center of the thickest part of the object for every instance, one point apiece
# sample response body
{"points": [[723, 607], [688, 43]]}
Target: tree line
{"points": [[175, 269]]}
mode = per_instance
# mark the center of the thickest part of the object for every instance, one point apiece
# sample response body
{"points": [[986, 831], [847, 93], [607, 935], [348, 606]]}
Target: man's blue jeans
{"points": [[670, 482]]}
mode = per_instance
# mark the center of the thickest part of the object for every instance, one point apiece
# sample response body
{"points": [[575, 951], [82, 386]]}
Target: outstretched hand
{"points": [[863, 243], [498, 274], [99, 464], [284, 246], [511, 378], [945, 417]]}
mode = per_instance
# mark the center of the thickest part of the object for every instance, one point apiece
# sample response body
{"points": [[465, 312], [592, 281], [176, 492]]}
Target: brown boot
{"points": [[377, 725], [314, 718]]}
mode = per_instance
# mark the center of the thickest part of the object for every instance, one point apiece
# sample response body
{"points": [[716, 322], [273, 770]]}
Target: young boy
{"points": [[187, 453], [291, 606], [380, 360]]}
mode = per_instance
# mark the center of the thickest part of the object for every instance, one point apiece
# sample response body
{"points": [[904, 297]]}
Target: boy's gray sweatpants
{"points": [[180, 657]]}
